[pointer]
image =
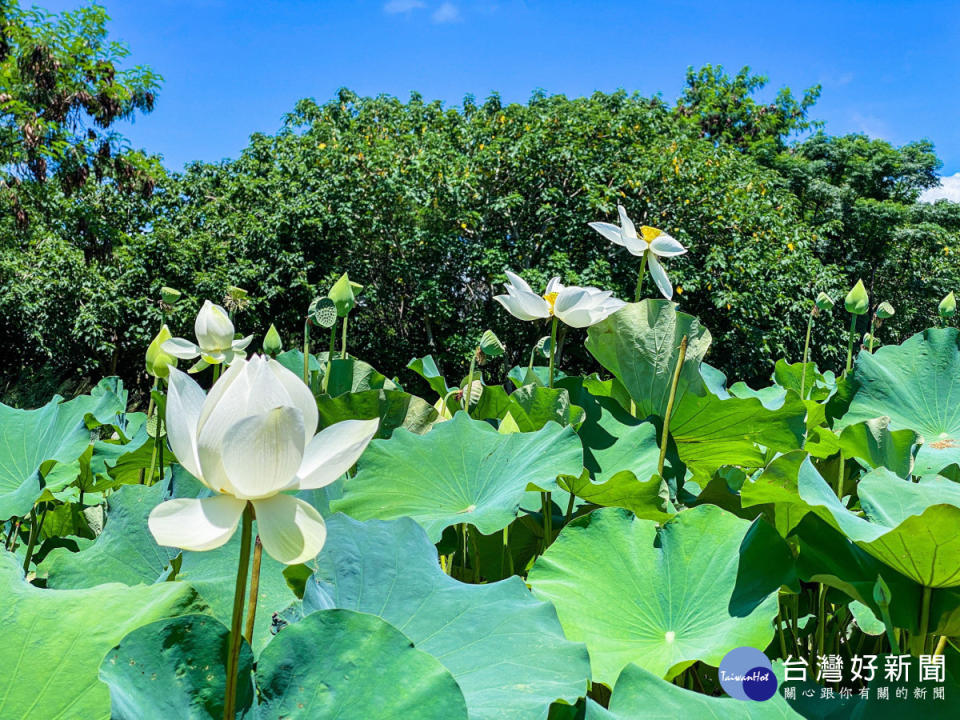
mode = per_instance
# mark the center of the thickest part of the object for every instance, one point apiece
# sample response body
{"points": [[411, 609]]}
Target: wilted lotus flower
{"points": [[576, 306], [215, 343], [650, 244], [250, 440]]}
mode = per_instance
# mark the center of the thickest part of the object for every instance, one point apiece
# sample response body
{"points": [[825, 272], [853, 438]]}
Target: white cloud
{"points": [[447, 12], [403, 6], [948, 188]]}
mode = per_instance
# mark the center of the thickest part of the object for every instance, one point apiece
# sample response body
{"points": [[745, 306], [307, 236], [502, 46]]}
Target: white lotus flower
{"points": [[215, 343], [250, 440], [576, 306], [651, 243]]}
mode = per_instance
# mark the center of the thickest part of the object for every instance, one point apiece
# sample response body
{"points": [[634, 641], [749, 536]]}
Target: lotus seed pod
{"points": [[323, 312], [885, 310], [272, 344], [869, 339], [948, 306], [857, 301], [237, 293], [344, 294], [881, 593], [824, 302], [169, 295], [158, 361], [490, 344], [543, 346]]}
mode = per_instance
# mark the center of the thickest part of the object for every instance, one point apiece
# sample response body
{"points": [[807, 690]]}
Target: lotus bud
{"points": [[272, 344], [158, 361], [323, 312], [824, 302], [213, 327], [948, 306], [490, 344], [169, 295], [885, 310], [881, 593], [344, 294], [857, 301]]}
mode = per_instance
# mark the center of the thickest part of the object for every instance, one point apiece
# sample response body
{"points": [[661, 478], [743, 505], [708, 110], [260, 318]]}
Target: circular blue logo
{"points": [[746, 674]]}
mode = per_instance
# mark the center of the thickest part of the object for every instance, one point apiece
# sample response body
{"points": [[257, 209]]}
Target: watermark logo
{"points": [[746, 674]]}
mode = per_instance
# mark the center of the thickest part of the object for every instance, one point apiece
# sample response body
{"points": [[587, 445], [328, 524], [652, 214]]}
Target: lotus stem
{"points": [[643, 272], [873, 322], [506, 548], [553, 346], [254, 590], [840, 473], [806, 353], [216, 372], [783, 640], [230, 694], [150, 406], [12, 534], [468, 395], [853, 334], [333, 349], [673, 395], [343, 343], [918, 642], [35, 529], [821, 618], [306, 352], [569, 516], [546, 502], [941, 645]]}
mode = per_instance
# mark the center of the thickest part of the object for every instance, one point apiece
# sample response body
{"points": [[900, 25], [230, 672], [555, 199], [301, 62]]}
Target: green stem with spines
{"points": [[681, 357], [643, 272], [243, 566], [306, 352], [553, 346], [468, 393], [853, 331], [343, 342], [806, 353]]}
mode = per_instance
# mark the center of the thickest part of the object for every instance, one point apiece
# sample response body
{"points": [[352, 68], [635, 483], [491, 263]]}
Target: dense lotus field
{"points": [[282, 535]]}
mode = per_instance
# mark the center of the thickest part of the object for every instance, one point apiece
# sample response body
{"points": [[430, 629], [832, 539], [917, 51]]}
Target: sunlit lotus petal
{"points": [[575, 306], [650, 242], [250, 439], [215, 343]]}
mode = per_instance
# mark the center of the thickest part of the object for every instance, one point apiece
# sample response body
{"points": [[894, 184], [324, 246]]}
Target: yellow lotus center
{"points": [[551, 299], [649, 233]]}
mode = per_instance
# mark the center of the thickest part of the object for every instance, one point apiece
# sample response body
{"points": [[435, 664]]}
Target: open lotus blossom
{"points": [[251, 440], [650, 244], [576, 306], [215, 343]]}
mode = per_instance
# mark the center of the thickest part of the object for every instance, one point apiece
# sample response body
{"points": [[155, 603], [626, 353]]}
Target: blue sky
{"points": [[233, 67]]}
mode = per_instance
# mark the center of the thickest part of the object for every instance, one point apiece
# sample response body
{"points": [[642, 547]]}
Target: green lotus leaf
{"points": [[640, 346], [462, 471], [34, 439], [641, 694], [55, 639], [353, 666], [877, 446], [917, 385], [659, 597], [175, 669], [124, 552], [394, 408], [533, 406], [426, 367], [482, 634], [910, 527]]}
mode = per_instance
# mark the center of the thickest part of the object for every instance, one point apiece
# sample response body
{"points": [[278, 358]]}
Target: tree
{"points": [[62, 90]]}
